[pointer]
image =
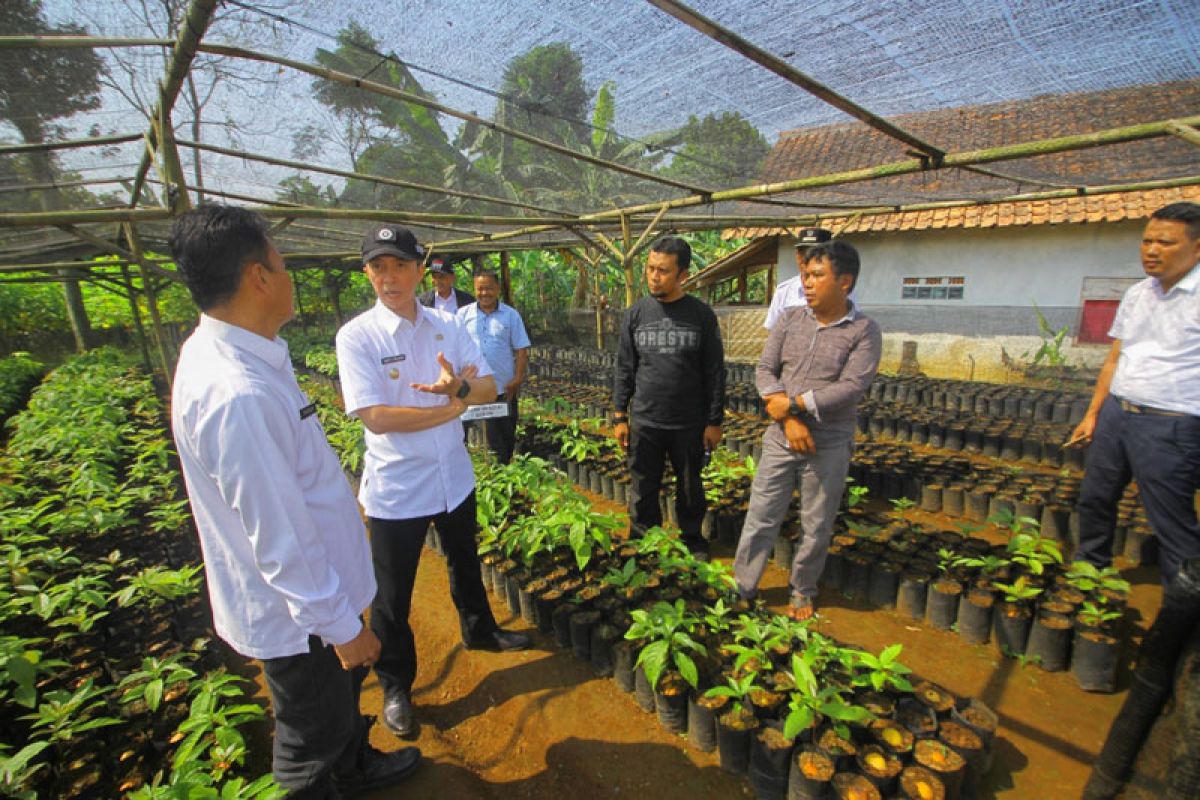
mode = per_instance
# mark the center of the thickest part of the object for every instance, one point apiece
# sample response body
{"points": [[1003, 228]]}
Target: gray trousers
{"points": [[821, 477]]}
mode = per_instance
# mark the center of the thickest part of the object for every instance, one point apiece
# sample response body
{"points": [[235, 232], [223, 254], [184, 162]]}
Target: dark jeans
{"points": [[501, 432], [318, 726], [1163, 454], [396, 551], [649, 449]]}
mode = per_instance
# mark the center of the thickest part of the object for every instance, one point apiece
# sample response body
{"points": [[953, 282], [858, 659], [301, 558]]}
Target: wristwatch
{"points": [[463, 390], [619, 416], [794, 409]]}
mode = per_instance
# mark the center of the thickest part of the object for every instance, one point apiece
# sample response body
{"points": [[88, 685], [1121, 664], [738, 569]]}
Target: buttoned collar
{"points": [[273, 351], [391, 322], [1188, 283], [851, 315]]}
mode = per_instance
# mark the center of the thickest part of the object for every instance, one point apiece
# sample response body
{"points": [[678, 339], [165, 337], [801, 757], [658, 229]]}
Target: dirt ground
{"points": [[539, 724]]}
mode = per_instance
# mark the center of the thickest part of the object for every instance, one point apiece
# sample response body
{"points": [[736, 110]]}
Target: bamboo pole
{"points": [[627, 260], [152, 304], [641, 242], [110, 247], [1082, 141], [409, 97], [136, 311], [786, 71], [1185, 132], [72, 144], [366, 176], [194, 26]]}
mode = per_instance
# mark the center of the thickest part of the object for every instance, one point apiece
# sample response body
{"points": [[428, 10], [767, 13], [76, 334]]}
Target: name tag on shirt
{"points": [[308, 411], [393, 359], [486, 411]]}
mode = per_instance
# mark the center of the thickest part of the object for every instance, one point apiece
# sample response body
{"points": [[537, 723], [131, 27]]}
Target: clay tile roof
{"points": [[853, 145]]}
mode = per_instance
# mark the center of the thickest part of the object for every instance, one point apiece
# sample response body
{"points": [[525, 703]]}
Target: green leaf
{"points": [[687, 668]]}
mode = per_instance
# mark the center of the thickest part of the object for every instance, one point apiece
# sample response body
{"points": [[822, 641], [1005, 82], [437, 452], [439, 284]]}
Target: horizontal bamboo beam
{"points": [[1061, 144], [363, 176], [72, 144]]}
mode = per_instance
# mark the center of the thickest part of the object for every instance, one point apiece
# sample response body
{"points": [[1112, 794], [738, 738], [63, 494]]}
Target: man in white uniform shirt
{"points": [[408, 372], [790, 293], [1144, 418], [286, 556]]}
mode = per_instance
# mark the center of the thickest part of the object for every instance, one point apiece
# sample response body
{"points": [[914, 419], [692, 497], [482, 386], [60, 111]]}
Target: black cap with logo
{"points": [[391, 240], [807, 237]]}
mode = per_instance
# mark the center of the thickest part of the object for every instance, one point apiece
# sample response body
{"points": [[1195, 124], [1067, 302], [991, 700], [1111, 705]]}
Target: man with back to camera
{"points": [[444, 296], [815, 367], [408, 372], [499, 332], [669, 392], [1144, 418], [790, 293], [286, 556]]}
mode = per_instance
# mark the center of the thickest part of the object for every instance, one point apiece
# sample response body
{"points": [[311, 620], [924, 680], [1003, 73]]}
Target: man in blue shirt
{"points": [[500, 334]]}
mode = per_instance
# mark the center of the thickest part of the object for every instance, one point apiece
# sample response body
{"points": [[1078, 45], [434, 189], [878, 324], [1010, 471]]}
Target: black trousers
{"points": [[649, 449], [396, 551], [501, 432], [319, 729], [1163, 454]]}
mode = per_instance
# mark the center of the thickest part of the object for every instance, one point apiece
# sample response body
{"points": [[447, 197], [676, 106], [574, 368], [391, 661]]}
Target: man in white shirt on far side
{"points": [[790, 293]]}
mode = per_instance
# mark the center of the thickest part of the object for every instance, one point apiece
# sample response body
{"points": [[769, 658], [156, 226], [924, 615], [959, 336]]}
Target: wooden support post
{"points": [[743, 286], [505, 279], [627, 260], [165, 361], [136, 312]]}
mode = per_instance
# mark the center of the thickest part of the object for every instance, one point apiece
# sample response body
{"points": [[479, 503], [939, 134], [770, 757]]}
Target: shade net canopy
{"points": [[518, 124]]}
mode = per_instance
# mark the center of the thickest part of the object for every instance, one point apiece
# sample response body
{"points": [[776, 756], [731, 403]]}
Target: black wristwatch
{"points": [[619, 417], [463, 390], [794, 407]]}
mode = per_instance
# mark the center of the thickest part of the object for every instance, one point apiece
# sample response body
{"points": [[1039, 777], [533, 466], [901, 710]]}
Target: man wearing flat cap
{"points": [[408, 372], [444, 295], [790, 293]]}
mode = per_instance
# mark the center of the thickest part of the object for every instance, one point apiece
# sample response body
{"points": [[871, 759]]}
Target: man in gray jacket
{"points": [[816, 366]]}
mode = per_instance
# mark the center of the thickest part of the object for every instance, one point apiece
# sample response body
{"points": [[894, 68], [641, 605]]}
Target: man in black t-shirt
{"points": [[669, 392]]}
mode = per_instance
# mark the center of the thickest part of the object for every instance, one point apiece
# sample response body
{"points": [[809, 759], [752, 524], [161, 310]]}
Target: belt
{"points": [[1134, 408]]}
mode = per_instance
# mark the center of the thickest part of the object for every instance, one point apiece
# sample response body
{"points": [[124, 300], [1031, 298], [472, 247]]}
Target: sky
{"points": [[892, 57]]}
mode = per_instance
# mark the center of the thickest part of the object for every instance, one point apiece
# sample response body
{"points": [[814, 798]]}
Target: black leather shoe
{"points": [[398, 715], [376, 770], [500, 641]]}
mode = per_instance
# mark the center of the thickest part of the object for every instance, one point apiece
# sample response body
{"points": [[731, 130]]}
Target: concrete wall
{"points": [[1006, 271]]}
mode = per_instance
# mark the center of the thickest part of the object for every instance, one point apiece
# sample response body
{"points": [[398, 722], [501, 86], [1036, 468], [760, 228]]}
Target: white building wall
{"points": [[1006, 271]]}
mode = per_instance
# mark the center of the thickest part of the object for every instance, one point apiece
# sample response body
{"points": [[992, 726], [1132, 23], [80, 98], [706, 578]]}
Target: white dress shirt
{"points": [[380, 354], [447, 304], [1159, 364], [788, 294], [285, 549]]}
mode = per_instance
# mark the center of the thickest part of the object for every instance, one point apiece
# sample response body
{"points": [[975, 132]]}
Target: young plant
{"points": [[627, 576], [856, 495], [810, 701], [157, 585], [1097, 615], [155, 678], [882, 672], [1087, 578], [1019, 591], [901, 504], [667, 632], [988, 564], [1034, 552], [737, 688]]}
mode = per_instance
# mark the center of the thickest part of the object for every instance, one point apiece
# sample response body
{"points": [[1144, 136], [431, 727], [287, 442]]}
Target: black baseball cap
{"points": [[391, 240], [440, 264], [810, 236]]}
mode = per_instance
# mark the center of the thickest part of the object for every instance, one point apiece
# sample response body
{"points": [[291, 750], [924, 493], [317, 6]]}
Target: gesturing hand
{"points": [[447, 382]]}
